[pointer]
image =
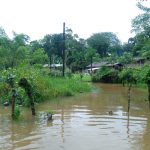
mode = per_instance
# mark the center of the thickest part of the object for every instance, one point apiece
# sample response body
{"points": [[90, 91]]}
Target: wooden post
{"points": [[129, 97], [63, 50], [148, 85]]}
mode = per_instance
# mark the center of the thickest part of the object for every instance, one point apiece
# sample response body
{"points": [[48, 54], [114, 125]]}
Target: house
{"points": [[97, 66], [93, 70], [139, 60]]}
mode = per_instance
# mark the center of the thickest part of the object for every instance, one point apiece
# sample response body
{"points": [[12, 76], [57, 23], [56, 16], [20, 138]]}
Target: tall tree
{"points": [[34, 45], [19, 48], [103, 42], [141, 22], [5, 49], [141, 26], [47, 45], [13, 52], [3, 33], [39, 57], [75, 51]]}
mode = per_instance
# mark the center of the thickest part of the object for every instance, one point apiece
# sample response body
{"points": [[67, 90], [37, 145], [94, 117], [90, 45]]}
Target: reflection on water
{"points": [[82, 122]]}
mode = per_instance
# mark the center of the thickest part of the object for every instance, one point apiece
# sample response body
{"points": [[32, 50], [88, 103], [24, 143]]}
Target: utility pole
{"points": [[63, 50]]}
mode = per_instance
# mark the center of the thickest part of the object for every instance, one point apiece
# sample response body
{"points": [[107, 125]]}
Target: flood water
{"points": [[82, 122]]}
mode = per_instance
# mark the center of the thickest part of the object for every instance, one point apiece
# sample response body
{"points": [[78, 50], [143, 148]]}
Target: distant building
{"points": [[139, 60], [52, 65], [117, 66], [97, 66]]}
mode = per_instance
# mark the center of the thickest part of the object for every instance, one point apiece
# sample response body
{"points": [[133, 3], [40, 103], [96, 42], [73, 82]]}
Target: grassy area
{"points": [[85, 77], [57, 86], [141, 85], [45, 87]]}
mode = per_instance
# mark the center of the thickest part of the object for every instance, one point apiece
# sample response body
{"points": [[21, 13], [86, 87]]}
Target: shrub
{"points": [[106, 75], [129, 75]]}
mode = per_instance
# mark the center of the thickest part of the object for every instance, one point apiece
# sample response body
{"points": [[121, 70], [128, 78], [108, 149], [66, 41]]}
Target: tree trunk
{"points": [[31, 103], [13, 102], [24, 84], [123, 83], [149, 93]]}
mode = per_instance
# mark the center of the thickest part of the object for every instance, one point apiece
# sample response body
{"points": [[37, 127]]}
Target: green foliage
{"points": [[38, 57], [106, 75], [145, 51], [75, 53], [139, 76], [90, 53], [17, 113], [144, 74], [141, 22], [51, 112], [126, 58], [34, 45], [2, 33], [52, 44], [103, 42], [141, 26], [129, 75], [13, 52]]}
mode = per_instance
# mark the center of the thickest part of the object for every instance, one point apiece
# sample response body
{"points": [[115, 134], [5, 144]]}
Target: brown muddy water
{"points": [[82, 122]]}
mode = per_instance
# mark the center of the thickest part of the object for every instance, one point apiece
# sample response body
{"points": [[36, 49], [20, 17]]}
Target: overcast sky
{"points": [[37, 18]]}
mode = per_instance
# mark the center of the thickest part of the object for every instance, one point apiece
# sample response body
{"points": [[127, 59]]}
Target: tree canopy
{"points": [[103, 42]]}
